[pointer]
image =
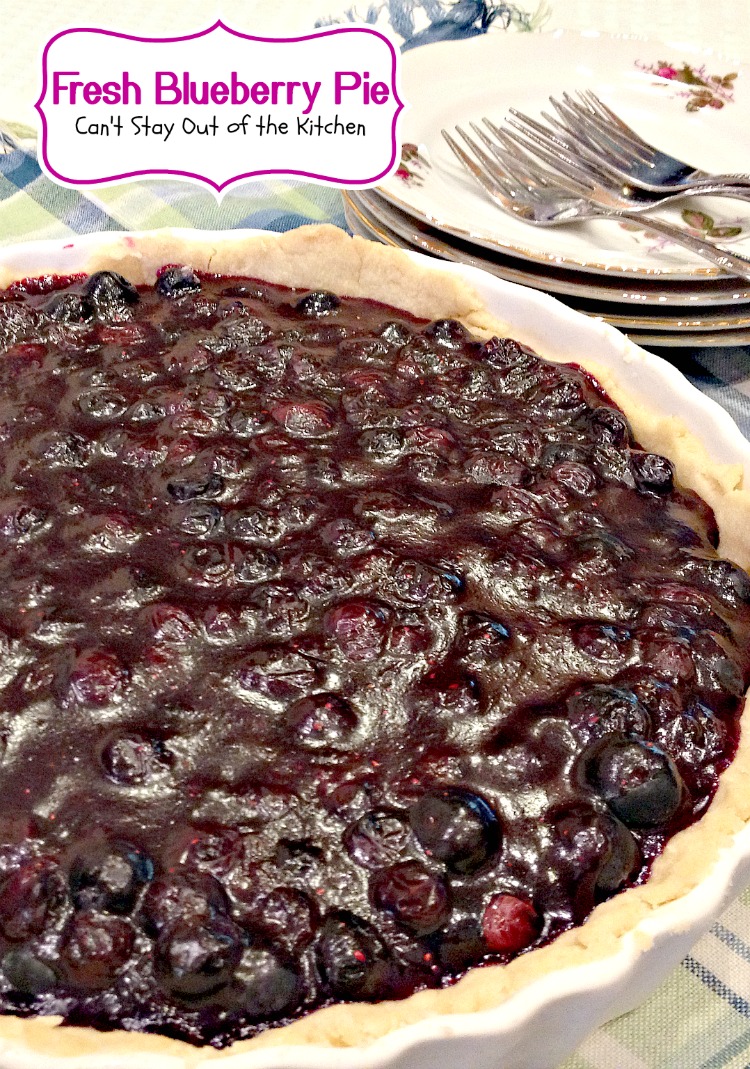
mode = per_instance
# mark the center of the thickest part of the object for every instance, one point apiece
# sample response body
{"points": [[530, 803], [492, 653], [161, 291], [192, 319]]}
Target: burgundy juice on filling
{"points": [[339, 652]]}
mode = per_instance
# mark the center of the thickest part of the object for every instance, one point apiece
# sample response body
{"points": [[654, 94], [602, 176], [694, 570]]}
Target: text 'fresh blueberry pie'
{"points": [[356, 666]]}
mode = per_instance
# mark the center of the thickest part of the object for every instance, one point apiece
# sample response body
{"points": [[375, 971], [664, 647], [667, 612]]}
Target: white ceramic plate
{"points": [[490, 74], [687, 327], [540, 1026], [617, 301], [724, 292]]}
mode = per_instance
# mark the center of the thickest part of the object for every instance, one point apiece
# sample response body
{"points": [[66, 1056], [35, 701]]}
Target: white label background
{"points": [[222, 159]]}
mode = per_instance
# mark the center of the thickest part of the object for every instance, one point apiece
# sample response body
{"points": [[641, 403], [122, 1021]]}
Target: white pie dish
{"points": [[539, 1026]]}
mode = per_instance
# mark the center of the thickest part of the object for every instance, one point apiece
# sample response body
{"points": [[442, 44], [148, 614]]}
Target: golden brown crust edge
{"points": [[324, 257]]}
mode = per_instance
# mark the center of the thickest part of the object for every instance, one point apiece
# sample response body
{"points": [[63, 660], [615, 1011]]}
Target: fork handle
{"points": [[729, 262], [704, 180], [730, 185]]}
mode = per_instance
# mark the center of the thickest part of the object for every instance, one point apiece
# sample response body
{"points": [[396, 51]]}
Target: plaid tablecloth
{"points": [[700, 1016]]}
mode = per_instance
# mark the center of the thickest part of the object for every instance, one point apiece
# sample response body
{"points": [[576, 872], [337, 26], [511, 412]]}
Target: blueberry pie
{"points": [[353, 664]]}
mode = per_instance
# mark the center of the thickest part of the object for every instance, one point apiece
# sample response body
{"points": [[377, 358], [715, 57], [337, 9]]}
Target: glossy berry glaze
{"points": [[340, 652]]}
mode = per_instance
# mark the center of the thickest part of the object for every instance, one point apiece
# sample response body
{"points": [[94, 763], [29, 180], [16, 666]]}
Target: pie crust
{"points": [[324, 257]]}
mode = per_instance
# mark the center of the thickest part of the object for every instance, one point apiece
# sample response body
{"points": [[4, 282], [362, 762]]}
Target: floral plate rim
{"points": [[723, 291], [436, 192]]}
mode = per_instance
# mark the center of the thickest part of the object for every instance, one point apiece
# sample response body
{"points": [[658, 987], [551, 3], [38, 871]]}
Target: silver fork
{"points": [[564, 156], [588, 128], [541, 198]]}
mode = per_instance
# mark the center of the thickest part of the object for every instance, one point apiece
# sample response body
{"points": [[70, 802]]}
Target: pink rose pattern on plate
{"points": [[411, 165], [704, 90]]}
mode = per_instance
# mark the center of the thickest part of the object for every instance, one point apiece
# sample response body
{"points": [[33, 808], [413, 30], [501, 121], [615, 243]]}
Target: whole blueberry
{"points": [[461, 943], [30, 897], [652, 472], [598, 709], [592, 854], [606, 424], [377, 838], [186, 895], [718, 667], [416, 897], [481, 638], [318, 303], [200, 519], [382, 443], [187, 489], [101, 404], [110, 292], [504, 353], [26, 974], [285, 916], [194, 959], [132, 760], [457, 827], [722, 578], [68, 308], [510, 924], [698, 735], [447, 332], [394, 333], [93, 947], [358, 627], [216, 849], [175, 282], [621, 860], [109, 876], [697, 740], [639, 781], [321, 721], [352, 957], [266, 984]]}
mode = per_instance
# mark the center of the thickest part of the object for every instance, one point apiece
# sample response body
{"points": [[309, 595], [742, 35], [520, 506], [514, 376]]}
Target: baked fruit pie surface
{"points": [[345, 654]]}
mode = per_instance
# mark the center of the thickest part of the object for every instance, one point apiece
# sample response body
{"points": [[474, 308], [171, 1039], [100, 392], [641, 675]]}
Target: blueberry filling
{"points": [[340, 652]]}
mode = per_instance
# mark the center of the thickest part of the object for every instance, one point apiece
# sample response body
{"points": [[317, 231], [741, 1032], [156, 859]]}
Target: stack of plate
{"points": [[656, 291]]}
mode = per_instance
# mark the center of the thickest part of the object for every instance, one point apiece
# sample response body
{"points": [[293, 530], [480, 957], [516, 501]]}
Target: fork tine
{"points": [[542, 180], [520, 150], [559, 133], [610, 148], [520, 153], [599, 149], [521, 167], [554, 137], [563, 166], [519, 192], [567, 149], [490, 166], [594, 104], [595, 132], [582, 136], [614, 129], [580, 124], [490, 186], [579, 112]]}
